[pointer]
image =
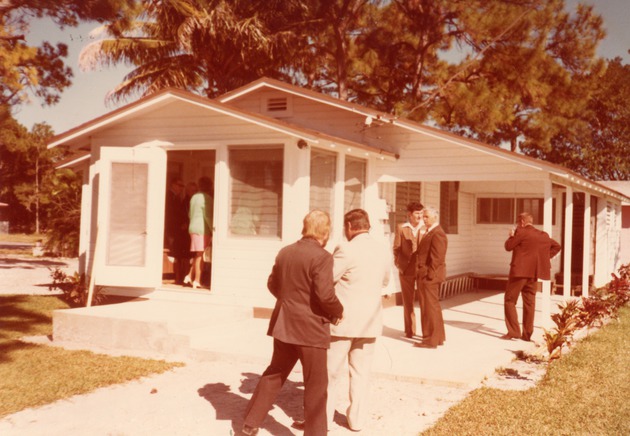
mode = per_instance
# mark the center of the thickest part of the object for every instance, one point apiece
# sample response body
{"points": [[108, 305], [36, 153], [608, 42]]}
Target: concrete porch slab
{"points": [[204, 331]]}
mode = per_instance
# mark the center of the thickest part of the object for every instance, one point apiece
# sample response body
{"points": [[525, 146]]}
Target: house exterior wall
{"points": [[429, 160], [241, 264]]}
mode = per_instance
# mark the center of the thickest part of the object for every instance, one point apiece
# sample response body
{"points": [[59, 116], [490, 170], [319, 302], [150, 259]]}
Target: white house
{"points": [[275, 151]]}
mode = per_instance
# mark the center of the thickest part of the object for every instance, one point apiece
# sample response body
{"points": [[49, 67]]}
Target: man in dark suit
{"points": [[302, 282], [405, 248], [432, 273], [532, 251]]}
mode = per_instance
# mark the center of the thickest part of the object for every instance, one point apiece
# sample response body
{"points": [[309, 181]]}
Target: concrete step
{"points": [[156, 326]]}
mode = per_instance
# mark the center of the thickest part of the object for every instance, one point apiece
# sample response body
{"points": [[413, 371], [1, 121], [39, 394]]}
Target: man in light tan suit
{"points": [[361, 270]]}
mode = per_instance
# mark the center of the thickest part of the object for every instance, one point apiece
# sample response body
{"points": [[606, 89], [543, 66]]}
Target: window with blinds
{"points": [[323, 170], [256, 191], [126, 245], [355, 177], [505, 210], [406, 192]]}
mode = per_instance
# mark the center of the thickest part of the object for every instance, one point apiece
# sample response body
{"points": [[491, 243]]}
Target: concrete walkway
{"points": [[412, 387]]}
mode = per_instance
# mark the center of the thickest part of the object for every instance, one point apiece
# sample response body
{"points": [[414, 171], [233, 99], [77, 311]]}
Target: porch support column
{"points": [[85, 219], [547, 227], [586, 258], [568, 233], [338, 209]]}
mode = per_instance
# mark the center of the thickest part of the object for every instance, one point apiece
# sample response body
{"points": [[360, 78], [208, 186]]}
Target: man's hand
{"points": [[336, 321]]}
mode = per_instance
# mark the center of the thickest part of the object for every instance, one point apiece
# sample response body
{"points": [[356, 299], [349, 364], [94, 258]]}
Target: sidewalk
{"points": [[412, 387], [31, 275]]}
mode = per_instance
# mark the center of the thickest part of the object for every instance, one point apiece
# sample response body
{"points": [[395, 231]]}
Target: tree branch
{"points": [[464, 67]]}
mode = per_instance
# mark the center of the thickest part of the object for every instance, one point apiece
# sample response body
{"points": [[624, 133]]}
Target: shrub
{"points": [[75, 288], [587, 311], [567, 322]]}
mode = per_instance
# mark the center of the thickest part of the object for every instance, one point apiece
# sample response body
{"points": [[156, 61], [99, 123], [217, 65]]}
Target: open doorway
{"points": [[184, 170]]}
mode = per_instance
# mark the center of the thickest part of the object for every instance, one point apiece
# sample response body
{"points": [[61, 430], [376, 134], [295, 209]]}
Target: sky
{"points": [[84, 100]]}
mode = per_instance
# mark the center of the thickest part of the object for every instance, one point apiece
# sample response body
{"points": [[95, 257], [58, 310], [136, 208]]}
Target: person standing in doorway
{"points": [[406, 242], [176, 239], [361, 271], [302, 282], [432, 273], [532, 251], [201, 214]]}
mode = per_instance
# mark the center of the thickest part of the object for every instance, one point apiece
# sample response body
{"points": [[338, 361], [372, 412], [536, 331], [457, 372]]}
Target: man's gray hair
{"points": [[316, 225], [432, 211]]}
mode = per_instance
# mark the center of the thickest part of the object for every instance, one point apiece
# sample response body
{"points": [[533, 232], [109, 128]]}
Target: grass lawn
{"points": [[34, 375], [20, 238], [585, 392]]}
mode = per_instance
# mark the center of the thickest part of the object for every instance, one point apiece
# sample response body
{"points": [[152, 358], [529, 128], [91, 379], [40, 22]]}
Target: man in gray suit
{"points": [[432, 273], [361, 270]]}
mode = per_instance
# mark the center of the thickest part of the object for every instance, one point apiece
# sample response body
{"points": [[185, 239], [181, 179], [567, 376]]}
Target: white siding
{"points": [[431, 194], [434, 160], [241, 267], [614, 236], [459, 255]]}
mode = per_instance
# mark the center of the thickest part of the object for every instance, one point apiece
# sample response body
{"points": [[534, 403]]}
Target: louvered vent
{"points": [[278, 104]]}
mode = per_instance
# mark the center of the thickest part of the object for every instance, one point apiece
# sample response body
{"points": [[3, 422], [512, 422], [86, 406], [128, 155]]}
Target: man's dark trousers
{"points": [[527, 288], [284, 358]]}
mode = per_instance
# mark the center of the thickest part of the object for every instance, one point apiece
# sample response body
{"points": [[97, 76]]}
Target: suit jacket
{"points": [[405, 248], [361, 270], [432, 255], [302, 282], [532, 250]]}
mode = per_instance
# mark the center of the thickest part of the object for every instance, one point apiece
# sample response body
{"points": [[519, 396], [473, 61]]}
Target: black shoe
{"points": [[249, 431]]}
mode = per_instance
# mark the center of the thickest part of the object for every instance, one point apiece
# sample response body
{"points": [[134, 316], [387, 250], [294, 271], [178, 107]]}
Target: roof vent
{"points": [[279, 106]]}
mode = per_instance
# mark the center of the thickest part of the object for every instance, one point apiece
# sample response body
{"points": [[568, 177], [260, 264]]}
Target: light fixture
{"points": [[302, 144]]}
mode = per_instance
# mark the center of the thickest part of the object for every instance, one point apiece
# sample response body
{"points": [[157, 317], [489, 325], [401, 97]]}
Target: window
{"points": [[505, 210], [128, 224], [355, 170], [449, 206], [406, 192], [323, 170], [495, 211], [256, 191], [531, 205]]}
